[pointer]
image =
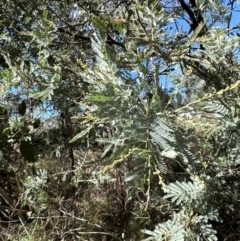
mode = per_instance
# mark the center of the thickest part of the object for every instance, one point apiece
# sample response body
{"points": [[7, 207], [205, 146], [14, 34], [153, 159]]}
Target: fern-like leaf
{"points": [[183, 191], [217, 107], [173, 230], [162, 134]]}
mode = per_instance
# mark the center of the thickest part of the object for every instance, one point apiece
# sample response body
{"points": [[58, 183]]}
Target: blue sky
{"points": [[235, 15], [165, 79], [235, 21]]}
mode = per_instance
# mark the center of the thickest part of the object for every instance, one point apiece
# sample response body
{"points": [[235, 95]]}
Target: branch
{"points": [[78, 37], [190, 14], [195, 16], [11, 205]]}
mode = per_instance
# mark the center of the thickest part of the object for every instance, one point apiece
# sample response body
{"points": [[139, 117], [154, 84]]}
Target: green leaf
{"points": [[197, 31], [169, 154], [81, 134], [182, 191], [6, 75], [43, 94], [45, 14], [99, 98]]}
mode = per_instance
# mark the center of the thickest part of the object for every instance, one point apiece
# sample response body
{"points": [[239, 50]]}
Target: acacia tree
{"points": [[96, 69]]}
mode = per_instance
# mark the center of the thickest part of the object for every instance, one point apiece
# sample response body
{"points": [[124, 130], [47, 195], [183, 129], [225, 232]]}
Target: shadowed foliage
{"points": [[119, 120]]}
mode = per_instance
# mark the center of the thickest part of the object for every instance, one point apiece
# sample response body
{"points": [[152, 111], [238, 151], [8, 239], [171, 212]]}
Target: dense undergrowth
{"points": [[116, 123]]}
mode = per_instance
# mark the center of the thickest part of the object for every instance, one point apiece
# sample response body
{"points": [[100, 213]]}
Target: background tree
{"points": [[93, 141]]}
